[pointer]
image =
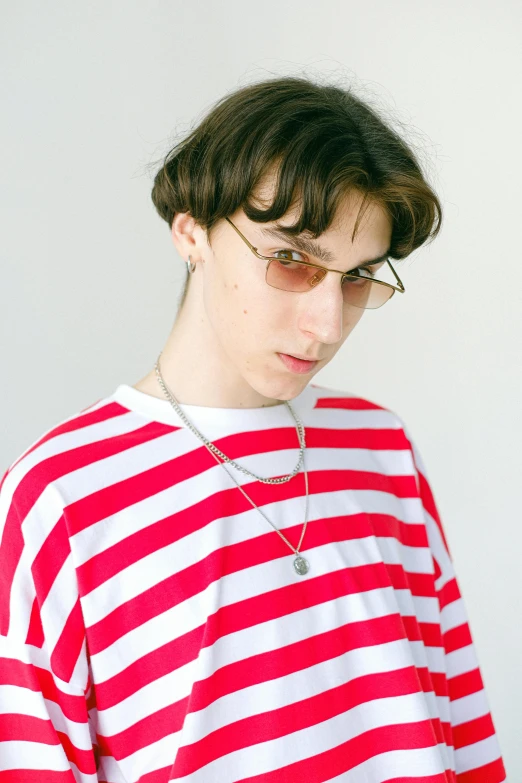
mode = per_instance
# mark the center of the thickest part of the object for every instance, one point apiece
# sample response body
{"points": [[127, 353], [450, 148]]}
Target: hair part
{"points": [[320, 141]]}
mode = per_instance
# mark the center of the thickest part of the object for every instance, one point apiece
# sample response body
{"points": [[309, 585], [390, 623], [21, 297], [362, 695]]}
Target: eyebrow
{"points": [[311, 247]]}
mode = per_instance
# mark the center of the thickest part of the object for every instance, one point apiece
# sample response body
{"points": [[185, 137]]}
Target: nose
{"points": [[322, 313]]}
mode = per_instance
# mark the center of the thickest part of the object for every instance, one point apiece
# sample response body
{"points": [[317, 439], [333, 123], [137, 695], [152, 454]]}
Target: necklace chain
{"points": [[301, 565], [213, 448]]}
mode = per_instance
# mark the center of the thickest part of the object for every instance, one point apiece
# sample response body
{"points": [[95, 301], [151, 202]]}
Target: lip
{"points": [[297, 365], [303, 358]]}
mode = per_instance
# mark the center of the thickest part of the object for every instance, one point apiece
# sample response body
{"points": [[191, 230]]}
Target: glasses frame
{"points": [[254, 250]]}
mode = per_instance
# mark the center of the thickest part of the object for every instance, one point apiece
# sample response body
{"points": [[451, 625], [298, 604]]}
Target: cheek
{"points": [[236, 308]]}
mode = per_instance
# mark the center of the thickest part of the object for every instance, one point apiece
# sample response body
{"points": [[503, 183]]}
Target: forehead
{"points": [[374, 220], [370, 244]]}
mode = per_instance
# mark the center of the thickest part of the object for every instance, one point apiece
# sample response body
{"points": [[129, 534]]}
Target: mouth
{"points": [[297, 365]]}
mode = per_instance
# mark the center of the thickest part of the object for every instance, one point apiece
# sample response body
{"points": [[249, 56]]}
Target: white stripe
{"points": [[423, 608], [396, 764], [67, 441], [307, 683], [96, 406], [192, 548], [36, 527], [461, 661], [239, 645], [453, 615], [15, 650], [184, 494], [267, 695], [22, 701], [155, 756], [478, 754], [35, 755], [265, 756], [143, 574], [59, 604], [414, 559], [469, 707], [229, 590]]}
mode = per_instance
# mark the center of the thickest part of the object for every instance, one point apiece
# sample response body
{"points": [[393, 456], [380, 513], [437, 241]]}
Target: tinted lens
{"points": [[365, 293], [293, 276]]}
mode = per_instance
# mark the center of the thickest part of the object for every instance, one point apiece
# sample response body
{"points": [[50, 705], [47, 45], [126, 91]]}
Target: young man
{"points": [[226, 572]]}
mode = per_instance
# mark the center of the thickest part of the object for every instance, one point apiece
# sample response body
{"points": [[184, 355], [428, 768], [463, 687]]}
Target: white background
{"points": [[93, 93]]}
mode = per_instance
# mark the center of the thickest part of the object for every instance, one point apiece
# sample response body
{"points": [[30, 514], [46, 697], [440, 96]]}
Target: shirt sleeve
{"points": [[476, 748], [45, 732]]}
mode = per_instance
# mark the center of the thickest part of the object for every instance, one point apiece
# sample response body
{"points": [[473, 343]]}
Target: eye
{"points": [[286, 255], [365, 271], [368, 271]]}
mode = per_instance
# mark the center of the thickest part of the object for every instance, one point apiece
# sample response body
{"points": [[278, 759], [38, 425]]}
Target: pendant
{"points": [[301, 565]]}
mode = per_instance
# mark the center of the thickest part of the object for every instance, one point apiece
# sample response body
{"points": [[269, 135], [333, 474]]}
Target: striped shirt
{"points": [[153, 628]]}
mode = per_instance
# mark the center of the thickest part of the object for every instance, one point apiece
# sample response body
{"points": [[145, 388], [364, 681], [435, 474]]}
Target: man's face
{"points": [[251, 322]]}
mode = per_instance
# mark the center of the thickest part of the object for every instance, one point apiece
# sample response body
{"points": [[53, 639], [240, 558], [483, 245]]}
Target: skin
{"points": [[222, 350]]}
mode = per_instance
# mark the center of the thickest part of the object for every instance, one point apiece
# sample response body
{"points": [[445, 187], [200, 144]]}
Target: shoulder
{"points": [[52, 472], [60, 448]]}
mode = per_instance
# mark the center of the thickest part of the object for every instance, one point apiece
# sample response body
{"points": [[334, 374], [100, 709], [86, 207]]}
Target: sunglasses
{"points": [[359, 286]]}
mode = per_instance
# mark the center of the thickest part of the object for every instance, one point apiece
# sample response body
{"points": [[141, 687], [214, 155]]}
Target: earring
{"points": [[191, 267]]}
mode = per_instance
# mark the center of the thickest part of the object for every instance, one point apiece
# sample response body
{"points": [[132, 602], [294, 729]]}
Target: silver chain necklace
{"points": [[301, 564]]}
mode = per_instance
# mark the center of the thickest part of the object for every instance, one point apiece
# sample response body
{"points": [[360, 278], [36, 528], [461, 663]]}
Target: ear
{"points": [[185, 235]]}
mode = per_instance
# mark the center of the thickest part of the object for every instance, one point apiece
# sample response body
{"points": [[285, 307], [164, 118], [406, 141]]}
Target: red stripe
{"points": [[84, 759], [448, 593], [118, 496], [489, 773], [428, 633], [291, 718], [409, 533], [26, 728], [265, 547], [457, 638], [419, 584], [149, 668], [11, 546], [34, 678], [33, 484], [246, 613], [473, 731], [276, 664], [35, 634], [440, 683], [69, 645], [161, 723], [78, 422], [431, 634], [346, 403], [248, 671], [348, 755], [465, 684], [50, 559], [157, 776]]}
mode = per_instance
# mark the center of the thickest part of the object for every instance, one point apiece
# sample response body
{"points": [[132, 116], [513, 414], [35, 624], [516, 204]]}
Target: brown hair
{"points": [[324, 141]]}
